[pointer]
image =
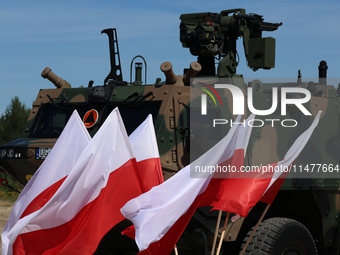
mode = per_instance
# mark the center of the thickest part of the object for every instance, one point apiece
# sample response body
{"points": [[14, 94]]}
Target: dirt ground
{"points": [[5, 210]]}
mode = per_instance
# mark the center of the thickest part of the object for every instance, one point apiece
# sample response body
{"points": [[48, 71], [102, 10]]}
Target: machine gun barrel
{"points": [[256, 22]]}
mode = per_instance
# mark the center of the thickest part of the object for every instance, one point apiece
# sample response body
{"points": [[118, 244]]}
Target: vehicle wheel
{"points": [[280, 236]]}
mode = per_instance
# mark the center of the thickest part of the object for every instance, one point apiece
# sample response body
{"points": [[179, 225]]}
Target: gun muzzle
{"points": [[195, 67], [55, 79], [170, 76]]}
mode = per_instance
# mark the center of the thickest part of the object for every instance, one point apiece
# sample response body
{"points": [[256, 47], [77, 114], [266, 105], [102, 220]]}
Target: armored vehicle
{"points": [[304, 217]]}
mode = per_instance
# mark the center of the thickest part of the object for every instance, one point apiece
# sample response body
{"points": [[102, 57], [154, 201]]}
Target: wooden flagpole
{"points": [[257, 225], [222, 235], [216, 231], [175, 249]]}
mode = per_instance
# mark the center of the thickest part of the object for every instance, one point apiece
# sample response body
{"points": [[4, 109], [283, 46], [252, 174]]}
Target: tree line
{"points": [[13, 120]]}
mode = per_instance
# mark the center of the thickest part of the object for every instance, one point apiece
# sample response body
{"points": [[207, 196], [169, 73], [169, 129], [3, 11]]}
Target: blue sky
{"points": [[65, 35]]}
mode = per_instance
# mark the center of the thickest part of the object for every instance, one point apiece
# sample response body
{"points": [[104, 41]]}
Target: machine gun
{"points": [[212, 35]]}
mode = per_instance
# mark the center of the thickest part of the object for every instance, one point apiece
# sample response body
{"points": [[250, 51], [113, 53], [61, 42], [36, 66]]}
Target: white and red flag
{"points": [[50, 175], [145, 149], [277, 178], [160, 215], [242, 190], [86, 205]]}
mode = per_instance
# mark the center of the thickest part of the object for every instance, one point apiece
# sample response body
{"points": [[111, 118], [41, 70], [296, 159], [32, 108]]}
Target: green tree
{"points": [[13, 121]]}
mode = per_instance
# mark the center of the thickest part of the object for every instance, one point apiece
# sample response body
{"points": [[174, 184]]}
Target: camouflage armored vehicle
{"points": [[304, 218]]}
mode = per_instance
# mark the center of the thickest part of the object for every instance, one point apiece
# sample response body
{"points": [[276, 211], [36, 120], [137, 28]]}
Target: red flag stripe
{"points": [[151, 172], [40, 200]]}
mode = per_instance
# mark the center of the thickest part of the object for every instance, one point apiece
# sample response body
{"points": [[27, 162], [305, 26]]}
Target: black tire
{"points": [[280, 236]]}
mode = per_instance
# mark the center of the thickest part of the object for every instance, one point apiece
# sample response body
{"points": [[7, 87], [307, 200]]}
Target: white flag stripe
{"points": [[85, 181], [295, 149], [141, 149], [243, 136], [55, 167]]}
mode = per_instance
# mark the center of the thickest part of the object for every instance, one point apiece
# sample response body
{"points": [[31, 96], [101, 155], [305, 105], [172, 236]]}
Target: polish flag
{"points": [[242, 190], [144, 145], [278, 177], [50, 175], [160, 215], [86, 205], [145, 149]]}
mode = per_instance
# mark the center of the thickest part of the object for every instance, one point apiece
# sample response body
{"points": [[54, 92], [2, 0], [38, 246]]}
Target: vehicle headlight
{"points": [[10, 153], [3, 153]]}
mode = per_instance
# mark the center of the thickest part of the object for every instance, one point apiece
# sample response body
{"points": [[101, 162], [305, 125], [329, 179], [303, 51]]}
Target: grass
{"points": [[7, 197], [6, 203]]}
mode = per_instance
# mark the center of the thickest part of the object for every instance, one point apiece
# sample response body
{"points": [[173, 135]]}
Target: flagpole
{"points": [[252, 233], [175, 249], [216, 231], [222, 235]]}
